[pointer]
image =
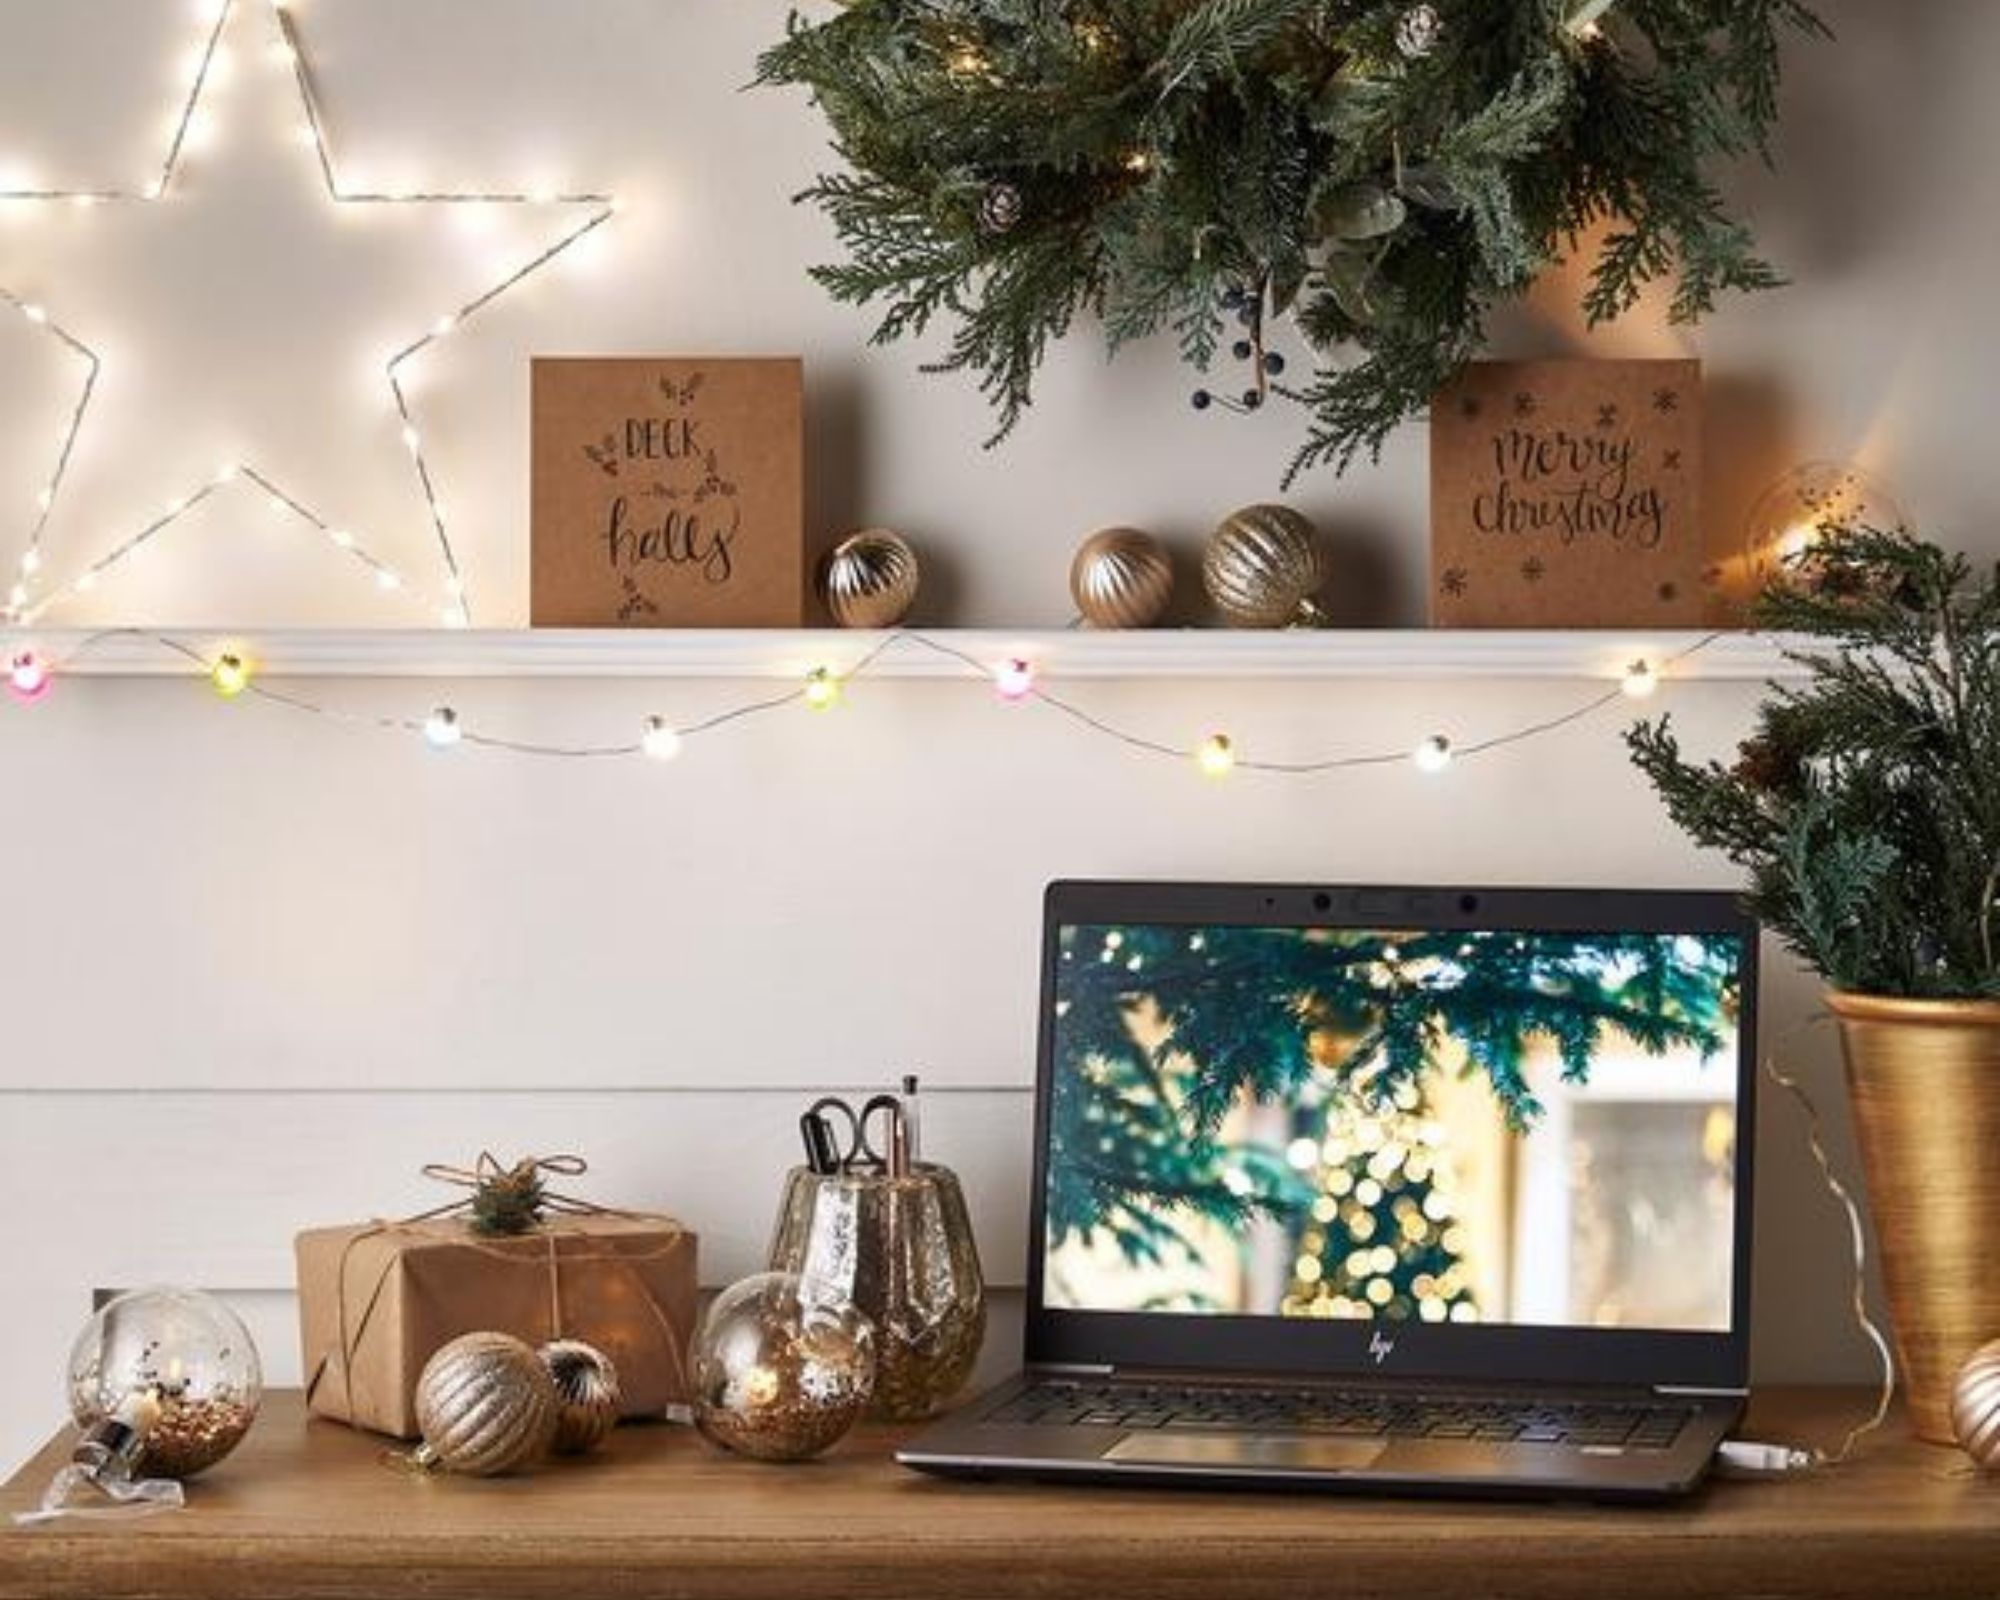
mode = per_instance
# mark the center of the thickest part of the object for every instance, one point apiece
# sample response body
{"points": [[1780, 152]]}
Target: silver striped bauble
{"points": [[869, 579], [1975, 1406], [1262, 568], [486, 1405], [587, 1387], [1121, 578]]}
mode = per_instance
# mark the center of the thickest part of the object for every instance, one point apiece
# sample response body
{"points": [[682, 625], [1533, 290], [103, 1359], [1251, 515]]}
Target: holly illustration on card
{"points": [[1567, 494]]}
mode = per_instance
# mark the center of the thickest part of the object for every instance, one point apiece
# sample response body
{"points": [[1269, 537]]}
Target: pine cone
{"points": [[1418, 33], [1000, 209]]}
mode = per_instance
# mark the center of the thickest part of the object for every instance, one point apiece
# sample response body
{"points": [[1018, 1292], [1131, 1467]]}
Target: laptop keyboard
{"points": [[1369, 1413]]}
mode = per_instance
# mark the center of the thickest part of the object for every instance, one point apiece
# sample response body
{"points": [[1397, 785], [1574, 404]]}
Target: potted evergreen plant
{"points": [[1866, 809]]}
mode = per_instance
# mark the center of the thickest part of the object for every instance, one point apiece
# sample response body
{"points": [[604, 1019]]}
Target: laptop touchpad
{"points": [[1282, 1451]]}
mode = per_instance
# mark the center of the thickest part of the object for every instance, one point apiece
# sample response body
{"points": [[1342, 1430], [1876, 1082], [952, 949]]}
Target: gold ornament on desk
{"points": [[486, 1406], [783, 1367], [869, 579], [1121, 578], [1975, 1407], [1262, 568], [587, 1390]]}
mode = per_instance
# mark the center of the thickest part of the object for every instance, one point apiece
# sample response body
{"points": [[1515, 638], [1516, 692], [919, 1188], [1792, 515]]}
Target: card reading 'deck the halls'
{"points": [[668, 493]]}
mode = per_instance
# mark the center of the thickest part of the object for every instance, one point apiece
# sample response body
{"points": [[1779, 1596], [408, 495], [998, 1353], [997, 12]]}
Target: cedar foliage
{"points": [[1181, 163], [1866, 807]]}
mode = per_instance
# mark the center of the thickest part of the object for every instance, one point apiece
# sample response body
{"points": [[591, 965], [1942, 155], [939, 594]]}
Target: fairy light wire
{"points": [[456, 612], [1864, 1321], [861, 666]]}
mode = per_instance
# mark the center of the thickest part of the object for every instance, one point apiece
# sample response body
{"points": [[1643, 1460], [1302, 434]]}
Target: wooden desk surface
{"points": [[307, 1509]]}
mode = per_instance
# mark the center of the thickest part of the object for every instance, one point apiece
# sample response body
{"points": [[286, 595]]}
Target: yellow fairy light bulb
{"points": [[230, 674], [1641, 679], [661, 741], [1433, 755], [1216, 756], [822, 690], [1138, 161]]}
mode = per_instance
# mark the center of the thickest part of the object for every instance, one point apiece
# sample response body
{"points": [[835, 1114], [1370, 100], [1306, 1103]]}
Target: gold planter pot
{"points": [[1925, 1080]]}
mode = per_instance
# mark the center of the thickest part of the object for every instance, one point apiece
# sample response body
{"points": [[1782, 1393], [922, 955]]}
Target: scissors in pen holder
{"points": [[825, 1154]]}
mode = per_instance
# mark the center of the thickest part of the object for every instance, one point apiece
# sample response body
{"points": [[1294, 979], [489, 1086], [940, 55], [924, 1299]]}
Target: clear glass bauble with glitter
{"points": [[175, 1364], [783, 1367]]}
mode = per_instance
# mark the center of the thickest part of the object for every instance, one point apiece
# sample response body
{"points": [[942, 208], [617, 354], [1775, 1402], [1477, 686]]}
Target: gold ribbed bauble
{"points": [[1975, 1406], [587, 1386], [1121, 578], [869, 579], [486, 1405], [1262, 568]]}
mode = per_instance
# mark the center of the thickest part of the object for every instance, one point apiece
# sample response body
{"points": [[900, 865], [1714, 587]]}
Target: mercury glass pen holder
{"points": [[901, 1249]]}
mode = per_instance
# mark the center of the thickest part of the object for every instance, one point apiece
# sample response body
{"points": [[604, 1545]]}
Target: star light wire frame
{"points": [[20, 604]]}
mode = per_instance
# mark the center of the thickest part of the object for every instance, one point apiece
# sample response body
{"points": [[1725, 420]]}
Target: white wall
{"points": [[257, 969]]}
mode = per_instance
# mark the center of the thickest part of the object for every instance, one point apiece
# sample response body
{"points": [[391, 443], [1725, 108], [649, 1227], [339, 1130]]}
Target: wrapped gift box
{"points": [[376, 1300]]}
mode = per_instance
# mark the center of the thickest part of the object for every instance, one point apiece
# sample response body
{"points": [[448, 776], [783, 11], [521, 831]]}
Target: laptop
{"points": [[1415, 1190]]}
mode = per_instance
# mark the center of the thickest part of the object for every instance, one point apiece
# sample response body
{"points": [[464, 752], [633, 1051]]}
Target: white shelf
{"points": [[748, 653]]}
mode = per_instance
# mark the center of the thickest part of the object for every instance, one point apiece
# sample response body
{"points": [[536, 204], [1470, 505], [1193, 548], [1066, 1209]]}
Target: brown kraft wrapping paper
{"points": [[378, 1299]]}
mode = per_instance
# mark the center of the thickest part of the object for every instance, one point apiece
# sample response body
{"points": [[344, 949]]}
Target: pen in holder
{"points": [[893, 1236]]}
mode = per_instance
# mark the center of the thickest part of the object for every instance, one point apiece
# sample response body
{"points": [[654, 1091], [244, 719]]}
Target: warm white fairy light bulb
{"points": [[661, 741], [35, 314], [441, 729], [1641, 679], [1433, 755], [1216, 756], [386, 580], [31, 562]]}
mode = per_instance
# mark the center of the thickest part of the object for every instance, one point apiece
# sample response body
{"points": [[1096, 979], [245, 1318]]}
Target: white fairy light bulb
{"points": [[1433, 755], [341, 538], [1216, 756], [35, 314], [412, 442], [386, 580], [441, 729], [31, 562], [660, 741], [1641, 679]]}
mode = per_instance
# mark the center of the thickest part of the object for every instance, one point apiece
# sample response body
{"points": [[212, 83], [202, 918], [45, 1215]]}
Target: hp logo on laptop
{"points": [[1380, 1345]]}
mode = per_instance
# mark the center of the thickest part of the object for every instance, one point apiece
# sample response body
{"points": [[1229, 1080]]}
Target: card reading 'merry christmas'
{"points": [[1567, 494]]}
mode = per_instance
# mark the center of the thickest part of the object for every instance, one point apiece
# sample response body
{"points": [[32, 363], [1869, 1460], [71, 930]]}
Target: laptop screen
{"points": [[1394, 1125]]}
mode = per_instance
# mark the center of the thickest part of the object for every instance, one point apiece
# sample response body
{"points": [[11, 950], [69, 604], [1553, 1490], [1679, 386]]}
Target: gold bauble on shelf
{"points": [[587, 1389], [1975, 1406], [1121, 578], [1262, 568], [486, 1405], [869, 579]]}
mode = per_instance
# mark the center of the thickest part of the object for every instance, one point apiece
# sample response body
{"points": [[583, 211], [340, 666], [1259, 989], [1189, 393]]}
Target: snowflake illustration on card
{"points": [[1566, 494]]}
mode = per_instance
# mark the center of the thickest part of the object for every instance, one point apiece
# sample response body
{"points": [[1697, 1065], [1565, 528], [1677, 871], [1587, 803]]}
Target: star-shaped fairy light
{"points": [[201, 291]]}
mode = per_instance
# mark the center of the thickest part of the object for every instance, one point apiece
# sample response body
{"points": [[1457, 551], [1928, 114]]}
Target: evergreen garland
{"points": [[1866, 807], [1382, 172]]}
